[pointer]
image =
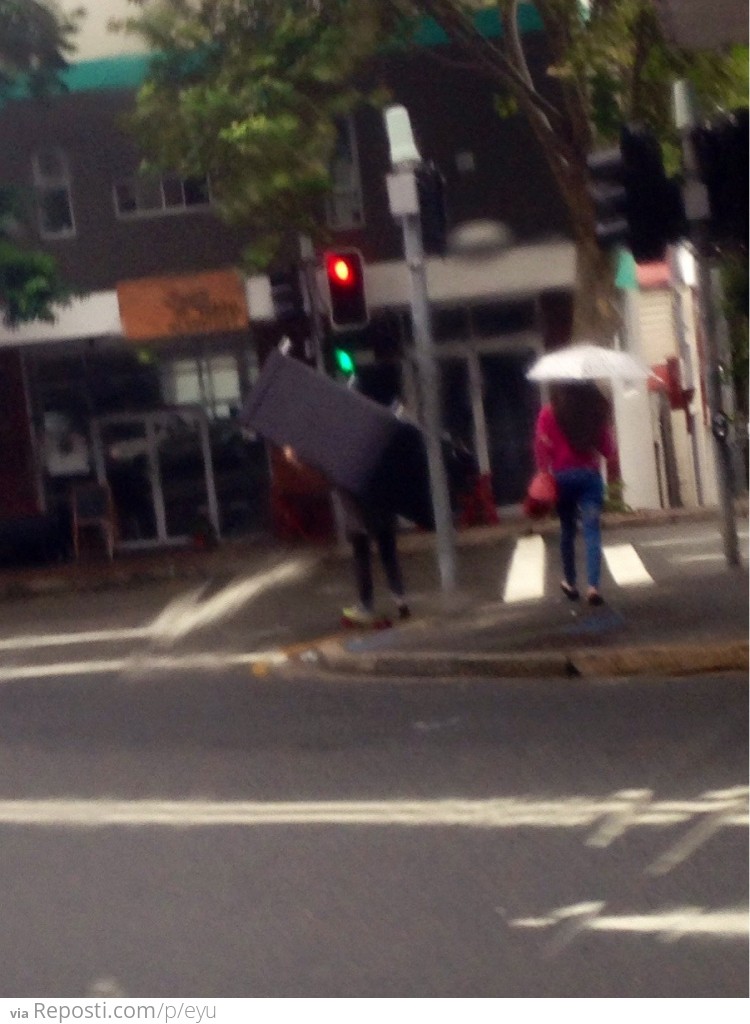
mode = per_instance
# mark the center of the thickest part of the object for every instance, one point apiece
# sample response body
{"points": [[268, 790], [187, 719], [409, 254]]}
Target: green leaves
{"points": [[248, 93], [35, 40], [29, 284]]}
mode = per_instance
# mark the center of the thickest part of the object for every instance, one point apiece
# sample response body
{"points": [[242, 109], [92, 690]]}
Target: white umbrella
{"points": [[588, 362]]}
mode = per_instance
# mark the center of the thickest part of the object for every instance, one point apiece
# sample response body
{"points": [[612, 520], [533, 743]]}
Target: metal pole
{"points": [[404, 202], [315, 315], [430, 395], [719, 419], [697, 210], [686, 364]]}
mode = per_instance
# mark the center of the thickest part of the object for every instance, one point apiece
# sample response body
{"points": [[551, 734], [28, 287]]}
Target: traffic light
{"points": [[346, 289], [286, 295], [636, 204], [344, 362], [432, 209], [721, 151]]}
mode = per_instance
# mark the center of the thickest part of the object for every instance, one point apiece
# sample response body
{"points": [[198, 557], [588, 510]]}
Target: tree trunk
{"points": [[596, 315]]}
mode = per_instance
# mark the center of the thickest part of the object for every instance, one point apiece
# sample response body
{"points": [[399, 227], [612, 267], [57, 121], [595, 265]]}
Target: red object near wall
{"points": [[669, 381], [18, 493], [477, 506], [300, 500]]}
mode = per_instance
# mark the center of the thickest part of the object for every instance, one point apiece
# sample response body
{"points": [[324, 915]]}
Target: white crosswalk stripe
{"points": [[525, 581], [526, 576], [625, 565]]}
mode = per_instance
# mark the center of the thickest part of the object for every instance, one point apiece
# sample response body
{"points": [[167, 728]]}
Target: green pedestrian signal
{"points": [[344, 361]]}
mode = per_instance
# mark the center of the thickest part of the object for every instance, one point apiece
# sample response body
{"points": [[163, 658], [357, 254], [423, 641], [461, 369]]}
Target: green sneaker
{"points": [[357, 616]]}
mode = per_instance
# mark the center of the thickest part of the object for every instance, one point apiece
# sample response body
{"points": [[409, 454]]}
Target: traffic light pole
{"points": [[719, 419], [697, 211], [430, 395], [307, 255], [403, 198]]}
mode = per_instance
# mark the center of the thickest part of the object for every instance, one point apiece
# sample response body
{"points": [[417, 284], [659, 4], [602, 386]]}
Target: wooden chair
{"points": [[92, 506]]}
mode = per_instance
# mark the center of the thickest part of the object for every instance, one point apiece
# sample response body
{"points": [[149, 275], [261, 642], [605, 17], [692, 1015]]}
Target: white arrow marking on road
{"points": [[187, 613], [526, 574], [179, 617]]}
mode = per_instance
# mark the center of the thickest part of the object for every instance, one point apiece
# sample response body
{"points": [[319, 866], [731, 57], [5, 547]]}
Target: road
{"points": [[231, 837], [203, 831]]}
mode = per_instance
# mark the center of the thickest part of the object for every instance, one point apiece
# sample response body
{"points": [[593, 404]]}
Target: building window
{"points": [[52, 185], [344, 207], [213, 382], [143, 195]]}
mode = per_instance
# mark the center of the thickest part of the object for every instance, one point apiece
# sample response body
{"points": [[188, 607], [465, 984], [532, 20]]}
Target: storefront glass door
{"points": [[158, 466]]}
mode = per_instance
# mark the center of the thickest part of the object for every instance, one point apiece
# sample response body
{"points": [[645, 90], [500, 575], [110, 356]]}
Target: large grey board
{"points": [[357, 444]]}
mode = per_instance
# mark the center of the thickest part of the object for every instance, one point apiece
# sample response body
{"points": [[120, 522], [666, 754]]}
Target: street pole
{"points": [[697, 211], [315, 316], [404, 203]]}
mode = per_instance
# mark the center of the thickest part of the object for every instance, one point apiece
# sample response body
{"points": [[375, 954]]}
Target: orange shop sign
{"points": [[167, 307]]}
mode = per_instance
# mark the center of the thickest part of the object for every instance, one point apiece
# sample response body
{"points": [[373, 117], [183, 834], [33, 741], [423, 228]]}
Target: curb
{"points": [[587, 663]]}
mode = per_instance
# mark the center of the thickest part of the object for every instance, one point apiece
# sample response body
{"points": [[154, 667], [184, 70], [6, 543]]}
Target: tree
{"points": [[34, 38], [246, 92], [609, 64]]}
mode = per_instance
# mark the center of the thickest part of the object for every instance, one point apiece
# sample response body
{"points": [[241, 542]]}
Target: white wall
{"points": [[94, 40], [633, 420]]}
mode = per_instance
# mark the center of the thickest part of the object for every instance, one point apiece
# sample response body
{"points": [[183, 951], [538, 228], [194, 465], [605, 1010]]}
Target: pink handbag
{"points": [[541, 495]]}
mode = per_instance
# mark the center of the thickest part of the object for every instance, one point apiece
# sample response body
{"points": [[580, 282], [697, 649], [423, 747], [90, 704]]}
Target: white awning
{"points": [[523, 270]]}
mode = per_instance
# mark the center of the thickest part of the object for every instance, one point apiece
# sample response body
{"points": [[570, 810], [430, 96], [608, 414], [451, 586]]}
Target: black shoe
{"points": [[595, 599], [570, 592], [403, 611]]}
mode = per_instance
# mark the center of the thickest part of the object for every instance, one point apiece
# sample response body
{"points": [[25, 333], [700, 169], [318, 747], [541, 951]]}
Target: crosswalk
{"points": [[531, 571], [527, 577]]}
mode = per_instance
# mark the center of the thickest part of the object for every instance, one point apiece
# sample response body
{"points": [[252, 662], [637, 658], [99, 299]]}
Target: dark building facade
{"points": [[139, 381]]}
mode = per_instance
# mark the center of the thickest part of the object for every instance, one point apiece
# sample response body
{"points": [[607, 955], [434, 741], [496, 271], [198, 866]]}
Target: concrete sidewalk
{"points": [[668, 629], [676, 628], [96, 573]]}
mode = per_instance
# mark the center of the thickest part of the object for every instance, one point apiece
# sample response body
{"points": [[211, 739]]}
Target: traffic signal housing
{"points": [[721, 151], [345, 275], [286, 295], [636, 204], [433, 212]]}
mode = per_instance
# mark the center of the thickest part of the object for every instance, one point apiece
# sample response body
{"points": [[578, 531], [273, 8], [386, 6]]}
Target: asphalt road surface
{"points": [[211, 834]]}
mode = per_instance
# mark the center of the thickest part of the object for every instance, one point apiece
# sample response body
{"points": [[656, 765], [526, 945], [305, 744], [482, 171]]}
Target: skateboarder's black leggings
{"points": [[386, 542]]}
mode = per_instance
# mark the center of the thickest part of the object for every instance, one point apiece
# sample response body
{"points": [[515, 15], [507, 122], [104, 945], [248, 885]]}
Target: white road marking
{"points": [[500, 813], [697, 540], [670, 925], [21, 643], [180, 616], [525, 580], [686, 559], [625, 565], [146, 663]]}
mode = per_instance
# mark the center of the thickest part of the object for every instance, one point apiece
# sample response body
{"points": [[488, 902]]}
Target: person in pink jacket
{"points": [[573, 434]]}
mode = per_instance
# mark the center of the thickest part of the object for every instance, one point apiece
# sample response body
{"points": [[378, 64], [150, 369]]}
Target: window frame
{"points": [[164, 210], [46, 183]]}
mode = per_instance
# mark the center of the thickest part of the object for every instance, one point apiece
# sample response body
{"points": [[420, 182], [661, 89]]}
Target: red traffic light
{"points": [[346, 289], [341, 269]]}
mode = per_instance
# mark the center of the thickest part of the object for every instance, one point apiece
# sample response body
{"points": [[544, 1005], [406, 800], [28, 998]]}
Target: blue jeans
{"points": [[580, 490]]}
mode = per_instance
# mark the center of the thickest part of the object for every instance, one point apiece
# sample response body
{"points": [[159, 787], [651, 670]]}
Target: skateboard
{"points": [[380, 622]]}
